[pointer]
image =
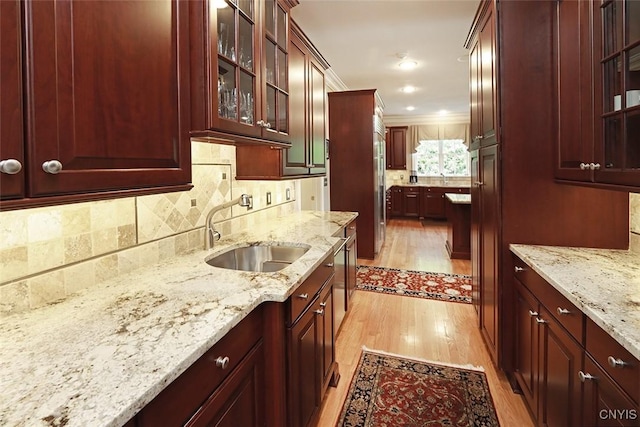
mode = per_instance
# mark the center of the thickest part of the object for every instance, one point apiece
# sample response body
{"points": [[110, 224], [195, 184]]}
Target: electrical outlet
{"points": [[224, 175], [288, 192], [268, 198], [194, 202]]}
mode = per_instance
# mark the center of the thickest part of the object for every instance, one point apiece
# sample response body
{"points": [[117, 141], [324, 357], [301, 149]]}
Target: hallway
{"points": [[433, 330]]}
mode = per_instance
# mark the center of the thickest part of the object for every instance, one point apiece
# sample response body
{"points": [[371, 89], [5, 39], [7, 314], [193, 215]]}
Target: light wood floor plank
{"points": [[434, 330]]}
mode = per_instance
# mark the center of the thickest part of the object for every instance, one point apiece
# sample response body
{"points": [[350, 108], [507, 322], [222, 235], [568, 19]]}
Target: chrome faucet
{"points": [[444, 178], [211, 235]]}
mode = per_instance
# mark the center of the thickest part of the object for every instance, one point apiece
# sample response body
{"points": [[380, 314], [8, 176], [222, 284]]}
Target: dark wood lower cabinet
{"points": [[604, 403], [411, 204], [311, 358], [560, 363]]}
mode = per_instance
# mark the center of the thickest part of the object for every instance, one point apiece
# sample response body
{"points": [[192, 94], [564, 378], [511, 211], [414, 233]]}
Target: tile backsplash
{"points": [[634, 222], [49, 253]]}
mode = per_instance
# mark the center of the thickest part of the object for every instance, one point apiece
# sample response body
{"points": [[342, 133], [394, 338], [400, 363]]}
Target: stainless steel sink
{"points": [[262, 258]]}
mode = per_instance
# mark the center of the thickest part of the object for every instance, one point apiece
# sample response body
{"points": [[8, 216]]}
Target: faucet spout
{"points": [[211, 235]]}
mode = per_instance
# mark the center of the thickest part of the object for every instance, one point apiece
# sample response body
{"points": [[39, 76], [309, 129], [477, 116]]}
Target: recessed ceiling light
{"points": [[220, 4], [463, 58], [443, 112], [407, 64], [410, 108], [408, 89]]}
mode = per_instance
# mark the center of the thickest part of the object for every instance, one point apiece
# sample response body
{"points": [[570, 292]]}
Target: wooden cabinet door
{"points": [[411, 206], [240, 399], [527, 347], [487, 76], [397, 201], [396, 146], [476, 255], [352, 267], [489, 217], [107, 97], [12, 185], [560, 389], [326, 336], [475, 92], [296, 157], [304, 372], [574, 80], [317, 122], [604, 403], [435, 203]]}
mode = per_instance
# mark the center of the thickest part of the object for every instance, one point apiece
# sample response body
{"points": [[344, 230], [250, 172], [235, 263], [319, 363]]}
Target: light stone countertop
{"points": [[603, 283], [446, 185], [99, 357], [459, 199]]}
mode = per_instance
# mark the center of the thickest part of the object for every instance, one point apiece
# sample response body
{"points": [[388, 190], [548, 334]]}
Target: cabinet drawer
{"points": [[184, 396], [601, 346], [567, 314], [351, 228], [411, 189], [304, 295]]}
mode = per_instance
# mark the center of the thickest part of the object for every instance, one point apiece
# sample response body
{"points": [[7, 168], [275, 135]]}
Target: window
{"points": [[449, 157]]}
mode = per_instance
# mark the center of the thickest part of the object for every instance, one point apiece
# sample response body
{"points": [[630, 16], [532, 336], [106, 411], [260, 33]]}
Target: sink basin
{"points": [[262, 258]]}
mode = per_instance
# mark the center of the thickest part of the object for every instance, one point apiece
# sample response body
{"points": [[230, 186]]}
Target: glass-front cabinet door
{"points": [[275, 114], [238, 79], [618, 87]]}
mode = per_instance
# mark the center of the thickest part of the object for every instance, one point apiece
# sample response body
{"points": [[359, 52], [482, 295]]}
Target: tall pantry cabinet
{"points": [[357, 163], [514, 196]]}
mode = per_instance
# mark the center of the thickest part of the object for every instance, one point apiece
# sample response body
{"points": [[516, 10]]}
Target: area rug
{"points": [[420, 284], [394, 391]]}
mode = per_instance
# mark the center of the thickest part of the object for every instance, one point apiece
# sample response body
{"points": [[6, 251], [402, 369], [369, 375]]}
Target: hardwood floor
{"points": [[433, 330]]}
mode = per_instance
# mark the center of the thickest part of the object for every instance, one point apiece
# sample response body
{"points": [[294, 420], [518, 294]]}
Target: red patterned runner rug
{"points": [[392, 391], [420, 284]]}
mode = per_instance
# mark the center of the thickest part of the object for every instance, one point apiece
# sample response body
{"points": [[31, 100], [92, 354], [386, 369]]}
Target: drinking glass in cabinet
{"points": [[226, 32]]}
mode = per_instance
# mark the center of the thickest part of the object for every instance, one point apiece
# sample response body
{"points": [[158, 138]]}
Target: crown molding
{"points": [[333, 82]]}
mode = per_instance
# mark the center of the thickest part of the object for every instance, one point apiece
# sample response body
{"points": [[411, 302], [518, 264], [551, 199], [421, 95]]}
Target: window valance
{"points": [[419, 133]]}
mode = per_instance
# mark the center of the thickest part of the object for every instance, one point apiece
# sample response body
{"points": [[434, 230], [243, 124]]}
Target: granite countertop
{"points": [[603, 283], [99, 357], [459, 199]]}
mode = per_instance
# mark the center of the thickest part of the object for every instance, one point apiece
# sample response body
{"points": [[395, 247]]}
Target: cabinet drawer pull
{"points": [[533, 313], [540, 321], [303, 296], [319, 312], [323, 304], [616, 363], [563, 311], [584, 377], [518, 269], [10, 166], [52, 166], [479, 183], [222, 362], [311, 165], [330, 265]]}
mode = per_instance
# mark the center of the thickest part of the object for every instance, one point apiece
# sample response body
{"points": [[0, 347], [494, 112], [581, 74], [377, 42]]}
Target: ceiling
{"points": [[362, 40]]}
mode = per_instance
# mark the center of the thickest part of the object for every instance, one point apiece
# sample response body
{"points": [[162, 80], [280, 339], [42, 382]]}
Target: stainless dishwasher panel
{"points": [[340, 285]]}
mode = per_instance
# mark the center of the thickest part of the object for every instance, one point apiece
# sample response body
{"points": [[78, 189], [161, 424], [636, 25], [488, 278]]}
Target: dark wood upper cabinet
{"points": [[483, 82], [12, 161], [597, 60], [106, 98], [306, 154], [240, 84], [396, 145]]}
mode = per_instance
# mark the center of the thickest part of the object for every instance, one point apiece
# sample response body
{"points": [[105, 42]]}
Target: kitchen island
{"points": [[99, 357], [459, 231]]}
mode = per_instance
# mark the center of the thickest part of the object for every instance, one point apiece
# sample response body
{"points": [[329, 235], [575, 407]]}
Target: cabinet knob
{"points": [[616, 363], [540, 321], [52, 166], [330, 265], [533, 313], [323, 304], [222, 362], [518, 269], [479, 137], [10, 166], [584, 166], [585, 377], [303, 296], [263, 124], [319, 312], [563, 311], [479, 183], [594, 166], [311, 165]]}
